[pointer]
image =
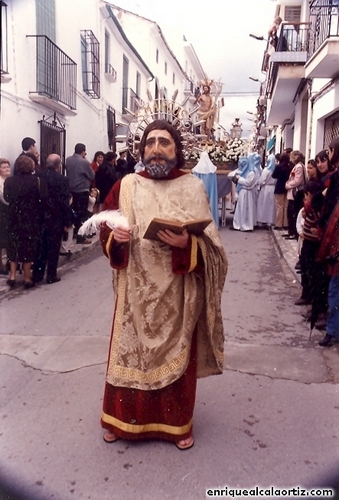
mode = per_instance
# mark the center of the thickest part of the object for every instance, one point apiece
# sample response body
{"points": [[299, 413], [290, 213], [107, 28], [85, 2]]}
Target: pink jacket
{"points": [[297, 178]]}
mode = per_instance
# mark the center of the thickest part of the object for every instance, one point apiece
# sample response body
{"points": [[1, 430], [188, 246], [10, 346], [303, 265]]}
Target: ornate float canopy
{"points": [[175, 113]]}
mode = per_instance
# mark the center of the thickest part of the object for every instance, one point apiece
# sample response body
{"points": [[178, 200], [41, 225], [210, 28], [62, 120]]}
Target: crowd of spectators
{"points": [[42, 209], [302, 200]]}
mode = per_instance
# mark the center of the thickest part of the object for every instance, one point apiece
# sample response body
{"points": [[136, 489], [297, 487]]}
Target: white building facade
{"points": [[175, 64], [66, 71], [301, 89]]}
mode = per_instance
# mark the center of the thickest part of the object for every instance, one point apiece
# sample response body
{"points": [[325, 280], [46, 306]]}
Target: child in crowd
{"points": [[310, 234], [312, 171], [67, 238], [92, 200]]}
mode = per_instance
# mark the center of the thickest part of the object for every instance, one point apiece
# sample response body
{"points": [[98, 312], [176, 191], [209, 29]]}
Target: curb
{"points": [[77, 251], [288, 251]]}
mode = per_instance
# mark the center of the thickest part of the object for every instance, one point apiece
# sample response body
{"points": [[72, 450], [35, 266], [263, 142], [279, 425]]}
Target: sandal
{"points": [[185, 446], [110, 437], [11, 283]]}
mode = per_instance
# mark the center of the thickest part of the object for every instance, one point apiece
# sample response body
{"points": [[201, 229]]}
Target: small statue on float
{"points": [[206, 112]]}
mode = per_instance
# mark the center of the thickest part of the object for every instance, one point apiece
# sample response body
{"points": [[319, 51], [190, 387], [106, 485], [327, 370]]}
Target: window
{"points": [[107, 51], [157, 55], [111, 128], [125, 70], [331, 130], [110, 72], [4, 39], [137, 84], [165, 68], [173, 79], [292, 13], [47, 60], [45, 18], [84, 63], [90, 63]]}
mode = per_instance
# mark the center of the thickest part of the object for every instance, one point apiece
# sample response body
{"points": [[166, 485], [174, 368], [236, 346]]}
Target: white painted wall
{"points": [[145, 35]]}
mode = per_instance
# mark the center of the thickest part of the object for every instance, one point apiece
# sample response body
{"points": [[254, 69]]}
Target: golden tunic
{"points": [[158, 311]]}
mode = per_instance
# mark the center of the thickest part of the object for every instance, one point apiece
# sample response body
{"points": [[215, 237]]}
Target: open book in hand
{"points": [[195, 227]]}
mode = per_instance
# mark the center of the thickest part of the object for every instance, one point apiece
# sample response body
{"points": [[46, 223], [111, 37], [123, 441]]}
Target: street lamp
{"points": [[236, 130], [258, 37], [255, 79]]}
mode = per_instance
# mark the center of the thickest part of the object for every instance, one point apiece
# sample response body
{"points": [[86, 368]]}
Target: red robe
{"points": [[165, 413]]}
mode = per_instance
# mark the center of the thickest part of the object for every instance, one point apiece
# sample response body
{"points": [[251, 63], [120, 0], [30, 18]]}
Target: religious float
{"points": [[197, 126]]}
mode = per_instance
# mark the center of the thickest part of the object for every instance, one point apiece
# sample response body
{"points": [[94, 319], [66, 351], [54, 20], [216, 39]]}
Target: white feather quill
{"points": [[113, 219]]}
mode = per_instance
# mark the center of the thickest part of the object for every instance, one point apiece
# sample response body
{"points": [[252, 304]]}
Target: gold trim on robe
{"points": [[151, 427], [194, 254]]}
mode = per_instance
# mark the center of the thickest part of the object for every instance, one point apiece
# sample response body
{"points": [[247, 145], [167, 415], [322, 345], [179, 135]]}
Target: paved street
{"points": [[270, 419]]}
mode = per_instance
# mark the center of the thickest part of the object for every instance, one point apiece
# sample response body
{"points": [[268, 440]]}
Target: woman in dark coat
{"points": [[106, 175], [26, 195], [5, 171]]}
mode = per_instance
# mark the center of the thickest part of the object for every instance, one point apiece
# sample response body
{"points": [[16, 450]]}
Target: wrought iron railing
{"points": [[293, 38], [90, 55], [294, 42], [331, 129], [130, 100], [55, 72], [189, 86], [324, 23]]}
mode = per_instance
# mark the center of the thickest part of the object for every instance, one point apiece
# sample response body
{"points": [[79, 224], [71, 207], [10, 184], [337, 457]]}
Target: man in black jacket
{"points": [[57, 219]]}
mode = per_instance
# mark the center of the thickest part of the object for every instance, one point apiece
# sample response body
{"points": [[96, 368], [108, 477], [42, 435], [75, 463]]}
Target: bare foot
{"points": [[185, 444], [110, 437]]}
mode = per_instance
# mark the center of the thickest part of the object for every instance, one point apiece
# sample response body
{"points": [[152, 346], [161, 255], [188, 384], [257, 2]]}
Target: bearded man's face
{"points": [[160, 154]]}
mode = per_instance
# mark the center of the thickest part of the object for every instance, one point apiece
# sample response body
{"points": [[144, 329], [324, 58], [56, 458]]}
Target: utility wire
{"points": [[240, 93]]}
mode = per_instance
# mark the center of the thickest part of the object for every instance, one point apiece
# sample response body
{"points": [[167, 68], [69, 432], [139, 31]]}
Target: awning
{"points": [[270, 143]]}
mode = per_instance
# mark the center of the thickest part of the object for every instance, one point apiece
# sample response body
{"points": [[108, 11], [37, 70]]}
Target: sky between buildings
{"points": [[219, 32]]}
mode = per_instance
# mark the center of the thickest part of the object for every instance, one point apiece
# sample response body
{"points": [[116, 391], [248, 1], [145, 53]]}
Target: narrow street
{"points": [[269, 420]]}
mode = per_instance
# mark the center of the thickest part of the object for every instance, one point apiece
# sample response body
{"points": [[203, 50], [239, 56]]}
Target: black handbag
{"points": [[298, 191]]}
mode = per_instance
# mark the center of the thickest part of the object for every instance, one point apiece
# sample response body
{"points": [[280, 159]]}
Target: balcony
{"points": [[56, 73], [285, 71], [131, 103], [323, 53], [110, 72]]}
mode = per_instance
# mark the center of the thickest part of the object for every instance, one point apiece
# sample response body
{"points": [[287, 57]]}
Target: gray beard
{"points": [[159, 171]]}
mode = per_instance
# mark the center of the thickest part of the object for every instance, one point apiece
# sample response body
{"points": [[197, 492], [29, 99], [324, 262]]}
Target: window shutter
{"points": [[292, 13]]}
